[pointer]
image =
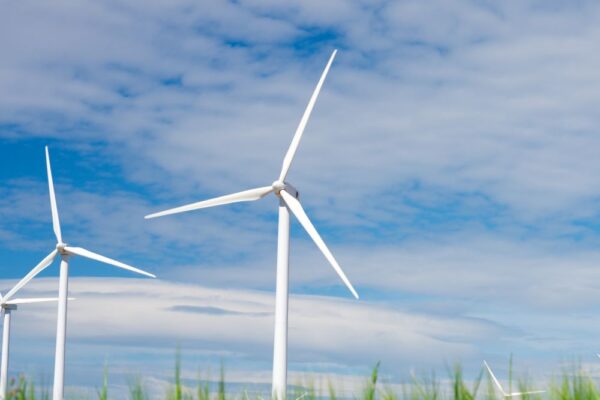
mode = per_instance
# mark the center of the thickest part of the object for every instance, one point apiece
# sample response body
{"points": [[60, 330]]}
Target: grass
{"points": [[571, 384]]}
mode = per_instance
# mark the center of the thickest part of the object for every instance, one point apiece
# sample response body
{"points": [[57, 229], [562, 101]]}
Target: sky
{"points": [[450, 164]]}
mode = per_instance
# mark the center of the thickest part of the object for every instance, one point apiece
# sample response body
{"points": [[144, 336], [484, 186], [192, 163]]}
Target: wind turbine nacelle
{"points": [[292, 190]]}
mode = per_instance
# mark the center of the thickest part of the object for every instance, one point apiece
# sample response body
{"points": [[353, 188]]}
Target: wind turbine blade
{"points": [[515, 394], [298, 211], [494, 378], [36, 270], [247, 195], [80, 251], [35, 300], [289, 157], [55, 220]]}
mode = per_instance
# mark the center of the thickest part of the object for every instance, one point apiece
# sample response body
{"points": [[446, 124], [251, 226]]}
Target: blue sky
{"points": [[450, 164]]}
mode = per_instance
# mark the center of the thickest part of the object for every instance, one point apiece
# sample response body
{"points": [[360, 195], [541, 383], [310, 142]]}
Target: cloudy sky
{"points": [[451, 164]]}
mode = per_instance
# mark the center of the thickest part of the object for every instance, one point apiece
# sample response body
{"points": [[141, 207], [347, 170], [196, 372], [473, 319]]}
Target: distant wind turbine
{"points": [[288, 200], [504, 394], [7, 308], [65, 252]]}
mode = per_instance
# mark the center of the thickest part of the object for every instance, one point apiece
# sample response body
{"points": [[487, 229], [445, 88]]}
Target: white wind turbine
{"points": [[7, 308], [288, 200], [504, 394], [65, 252]]}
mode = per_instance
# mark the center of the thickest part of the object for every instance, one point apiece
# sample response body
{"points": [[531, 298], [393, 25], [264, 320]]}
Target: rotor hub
{"points": [[61, 248], [278, 186]]}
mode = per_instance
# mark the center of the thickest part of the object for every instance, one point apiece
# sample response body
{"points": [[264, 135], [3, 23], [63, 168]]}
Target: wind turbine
{"points": [[288, 201], [65, 252], [7, 308], [504, 394]]}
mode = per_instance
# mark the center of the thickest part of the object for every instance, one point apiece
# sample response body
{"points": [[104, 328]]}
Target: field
{"points": [[569, 384]]}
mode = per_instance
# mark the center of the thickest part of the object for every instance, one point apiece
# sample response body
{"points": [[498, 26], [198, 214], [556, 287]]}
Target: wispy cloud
{"points": [[121, 315]]}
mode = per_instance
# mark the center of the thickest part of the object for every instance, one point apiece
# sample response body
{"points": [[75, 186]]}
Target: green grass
{"points": [[137, 391], [571, 384], [575, 385]]}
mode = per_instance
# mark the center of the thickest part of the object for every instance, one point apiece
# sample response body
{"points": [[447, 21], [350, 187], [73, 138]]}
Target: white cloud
{"points": [[504, 110], [124, 317]]}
